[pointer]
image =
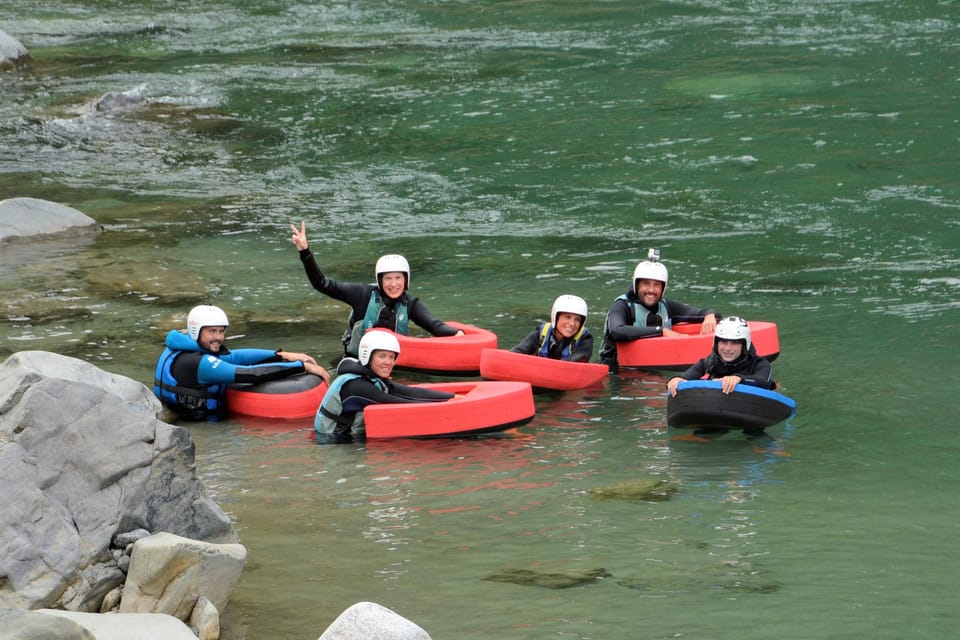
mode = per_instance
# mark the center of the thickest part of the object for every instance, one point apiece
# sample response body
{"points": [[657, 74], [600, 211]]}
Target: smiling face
{"points": [[211, 338], [392, 284], [729, 350], [649, 291], [382, 362], [568, 324]]}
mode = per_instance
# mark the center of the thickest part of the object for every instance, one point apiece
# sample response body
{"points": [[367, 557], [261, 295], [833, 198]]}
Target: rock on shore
{"points": [[106, 532], [12, 52]]}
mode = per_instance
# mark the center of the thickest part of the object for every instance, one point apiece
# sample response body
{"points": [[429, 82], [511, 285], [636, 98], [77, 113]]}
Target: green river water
{"points": [[795, 161]]}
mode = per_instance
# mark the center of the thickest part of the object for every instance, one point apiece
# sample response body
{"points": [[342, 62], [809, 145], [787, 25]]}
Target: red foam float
{"points": [[543, 373], [680, 352], [479, 407], [293, 397], [457, 355]]}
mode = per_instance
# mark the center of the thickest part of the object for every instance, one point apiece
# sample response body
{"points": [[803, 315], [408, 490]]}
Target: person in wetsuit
{"points": [[195, 368], [733, 361], [565, 337], [385, 304], [363, 381], [643, 312]]}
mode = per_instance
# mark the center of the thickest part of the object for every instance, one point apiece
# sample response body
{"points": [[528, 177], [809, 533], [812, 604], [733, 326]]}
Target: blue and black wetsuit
{"points": [[193, 382]]}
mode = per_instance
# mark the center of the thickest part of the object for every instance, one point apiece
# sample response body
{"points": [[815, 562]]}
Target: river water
{"points": [[795, 161]]}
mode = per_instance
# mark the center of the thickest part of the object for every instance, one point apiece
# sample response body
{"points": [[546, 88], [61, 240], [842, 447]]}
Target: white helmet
{"points": [[394, 262], [732, 328], [205, 315], [568, 304], [375, 340], [651, 269]]}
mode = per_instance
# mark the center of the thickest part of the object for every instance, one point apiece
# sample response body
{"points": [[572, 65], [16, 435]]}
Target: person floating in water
{"points": [[195, 368], [384, 304], [733, 361], [565, 337], [643, 312], [363, 381]]}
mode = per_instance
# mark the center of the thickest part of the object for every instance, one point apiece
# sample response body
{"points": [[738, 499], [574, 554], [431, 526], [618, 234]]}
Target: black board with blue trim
{"points": [[701, 403]]}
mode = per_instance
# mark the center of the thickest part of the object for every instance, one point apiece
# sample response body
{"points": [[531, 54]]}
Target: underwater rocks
{"points": [[648, 490], [548, 579]]}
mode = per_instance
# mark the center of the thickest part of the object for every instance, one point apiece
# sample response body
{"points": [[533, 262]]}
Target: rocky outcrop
{"points": [[12, 52], [30, 217], [81, 463], [88, 472]]}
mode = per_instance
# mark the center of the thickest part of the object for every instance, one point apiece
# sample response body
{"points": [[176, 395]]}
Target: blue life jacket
{"points": [[546, 330], [191, 402]]}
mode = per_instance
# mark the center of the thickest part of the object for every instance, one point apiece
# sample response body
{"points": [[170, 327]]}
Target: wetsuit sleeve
{"points": [[369, 393], [354, 294], [762, 375], [417, 394], [680, 312], [584, 350], [696, 371], [422, 317], [529, 344], [620, 328], [213, 370], [251, 356]]}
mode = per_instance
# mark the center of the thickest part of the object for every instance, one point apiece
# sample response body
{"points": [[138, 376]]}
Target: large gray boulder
{"points": [[12, 52], [25, 368], [31, 217], [80, 464]]}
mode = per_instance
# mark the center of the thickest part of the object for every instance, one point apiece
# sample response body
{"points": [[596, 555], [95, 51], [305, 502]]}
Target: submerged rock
{"points": [[31, 217], [115, 102], [548, 579], [649, 490]]}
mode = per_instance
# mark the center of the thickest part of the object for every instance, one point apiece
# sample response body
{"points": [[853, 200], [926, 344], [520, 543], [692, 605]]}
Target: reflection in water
{"points": [[441, 477]]}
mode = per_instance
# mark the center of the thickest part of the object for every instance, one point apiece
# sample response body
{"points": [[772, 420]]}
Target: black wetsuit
{"points": [[621, 325], [357, 295]]}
